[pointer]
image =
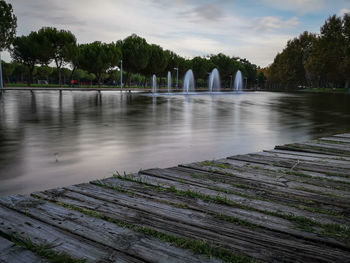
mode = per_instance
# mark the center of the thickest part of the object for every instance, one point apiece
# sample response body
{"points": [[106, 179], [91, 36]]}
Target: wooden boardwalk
{"points": [[290, 204]]}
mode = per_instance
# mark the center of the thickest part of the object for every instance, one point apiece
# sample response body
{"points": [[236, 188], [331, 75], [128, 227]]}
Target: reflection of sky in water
{"points": [[94, 135]]}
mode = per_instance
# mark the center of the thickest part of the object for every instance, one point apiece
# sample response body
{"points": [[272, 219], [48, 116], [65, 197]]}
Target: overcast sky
{"points": [[252, 29]]}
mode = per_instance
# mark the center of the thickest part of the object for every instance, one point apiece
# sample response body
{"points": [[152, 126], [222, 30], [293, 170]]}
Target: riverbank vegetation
{"points": [[318, 62]]}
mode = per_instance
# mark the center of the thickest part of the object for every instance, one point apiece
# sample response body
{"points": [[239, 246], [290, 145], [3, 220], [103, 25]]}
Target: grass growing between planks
{"points": [[260, 196], [197, 246], [44, 251], [303, 223]]}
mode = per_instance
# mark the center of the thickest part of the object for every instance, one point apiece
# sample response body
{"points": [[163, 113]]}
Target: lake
{"points": [[48, 139]]}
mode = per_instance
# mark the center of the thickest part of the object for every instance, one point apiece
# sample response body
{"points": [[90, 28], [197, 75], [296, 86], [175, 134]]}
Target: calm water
{"points": [[49, 140]]}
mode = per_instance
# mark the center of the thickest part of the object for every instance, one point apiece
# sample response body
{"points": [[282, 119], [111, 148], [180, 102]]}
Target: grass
{"points": [[214, 164], [301, 222], [197, 246], [242, 186], [46, 251], [325, 90], [221, 180]]}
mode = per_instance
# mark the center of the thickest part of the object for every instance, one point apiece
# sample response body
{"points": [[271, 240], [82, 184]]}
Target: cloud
{"points": [[204, 12], [187, 27], [270, 23], [343, 11], [301, 6]]}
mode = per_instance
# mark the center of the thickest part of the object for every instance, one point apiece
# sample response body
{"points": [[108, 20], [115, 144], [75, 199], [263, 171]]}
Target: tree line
{"points": [[32, 54], [315, 60]]}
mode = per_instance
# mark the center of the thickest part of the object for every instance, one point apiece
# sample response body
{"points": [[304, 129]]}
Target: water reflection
{"points": [[50, 139]]}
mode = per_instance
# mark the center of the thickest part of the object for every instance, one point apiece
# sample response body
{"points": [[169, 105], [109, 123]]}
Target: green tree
{"points": [[8, 24], [136, 55], [201, 67], [98, 58], [158, 61], [62, 46], [7, 70], [44, 72], [30, 51]]}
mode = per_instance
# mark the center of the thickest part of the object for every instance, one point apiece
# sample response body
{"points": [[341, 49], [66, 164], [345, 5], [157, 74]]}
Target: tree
{"points": [[158, 61], [201, 67], [30, 50], [44, 72], [136, 54], [7, 69], [98, 58], [62, 46], [8, 24]]}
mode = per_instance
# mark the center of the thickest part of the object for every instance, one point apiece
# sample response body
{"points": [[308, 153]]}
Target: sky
{"points": [[252, 29]]}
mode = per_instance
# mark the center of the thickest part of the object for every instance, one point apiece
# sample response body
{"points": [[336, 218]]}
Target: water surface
{"points": [[48, 139]]}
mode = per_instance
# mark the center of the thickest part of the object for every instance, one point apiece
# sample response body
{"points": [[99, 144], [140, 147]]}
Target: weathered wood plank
{"points": [[14, 223], [216, 181], [258, 171], [11, 253], [329, 145], [272, 175], [194, 224], [284, 197], [254, 203], [322, 161], [343, 135], [340, 140], [308, 154], [292, 164], [117, 238], [266, 221], [313, 148]]}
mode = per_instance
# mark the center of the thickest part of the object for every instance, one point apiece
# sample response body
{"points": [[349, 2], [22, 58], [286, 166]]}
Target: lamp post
{"points": [[246, 82], [177, 77], [230, 81], [121, 75]]}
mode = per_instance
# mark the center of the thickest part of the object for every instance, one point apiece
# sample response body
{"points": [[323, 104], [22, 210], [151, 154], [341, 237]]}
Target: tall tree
{"points": [[62, 44], [7, 70], [98, 58], [136, 55], [30, 50], [8, 24]]}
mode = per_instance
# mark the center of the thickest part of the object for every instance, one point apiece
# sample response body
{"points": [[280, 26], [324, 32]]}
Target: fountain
{"points": [[169, 82], [214, 81], [154, 84], [188, 82], [238, 85]]}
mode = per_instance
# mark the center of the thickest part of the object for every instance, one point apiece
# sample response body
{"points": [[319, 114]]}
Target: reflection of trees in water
{"points": [[11, 139], [323, 113]]}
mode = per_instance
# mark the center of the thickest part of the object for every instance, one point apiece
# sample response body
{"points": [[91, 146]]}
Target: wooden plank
{"points": [[340, 140], [12, 253], [117, 238], [343, 135], [285, 194], [266, 221], [329, 145], [253, 242], [291, 164], [308, 154], [259, 170], [314, 148], [12, 222], [282, 195], [254, 203], [320, 161]]}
